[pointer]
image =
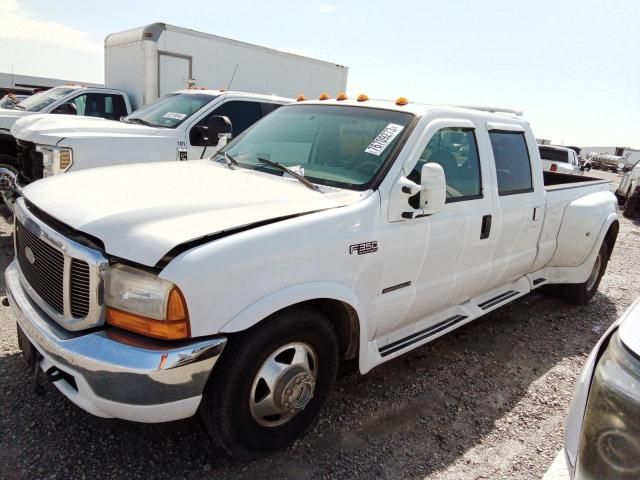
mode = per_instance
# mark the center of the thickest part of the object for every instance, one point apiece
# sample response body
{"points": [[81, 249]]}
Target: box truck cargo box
{"points": [[151, 61]]}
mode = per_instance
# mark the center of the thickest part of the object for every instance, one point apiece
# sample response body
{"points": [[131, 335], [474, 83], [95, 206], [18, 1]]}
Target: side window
{"points": [[513, 166], [242, 116], [456, 151], [80, 103], [267, 108]]}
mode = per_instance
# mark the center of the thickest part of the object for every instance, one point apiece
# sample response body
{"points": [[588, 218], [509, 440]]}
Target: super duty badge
{"points": [[362, 248]]}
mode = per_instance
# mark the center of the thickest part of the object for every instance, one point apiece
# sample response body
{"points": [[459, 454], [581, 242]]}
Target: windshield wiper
{"points": [[229, 160], [140, 121], [296, 175]]}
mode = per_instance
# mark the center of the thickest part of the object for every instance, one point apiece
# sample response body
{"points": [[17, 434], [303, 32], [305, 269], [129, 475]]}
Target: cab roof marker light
{"points": [[402, 101], [342, 96], [324, 96], [301, 98], [362, 97]]}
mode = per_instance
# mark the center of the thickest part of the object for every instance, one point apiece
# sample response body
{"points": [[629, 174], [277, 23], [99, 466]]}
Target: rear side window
{"points": [[554, 155], [513, 165]]}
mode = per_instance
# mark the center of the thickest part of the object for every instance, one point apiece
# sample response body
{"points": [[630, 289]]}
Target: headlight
{"points": [[141, 302], [55, 160], [610, 439]]}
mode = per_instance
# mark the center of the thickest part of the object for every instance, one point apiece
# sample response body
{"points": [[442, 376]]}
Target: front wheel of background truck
{"points": [[270, 383], [10, 163], [581, 293]]}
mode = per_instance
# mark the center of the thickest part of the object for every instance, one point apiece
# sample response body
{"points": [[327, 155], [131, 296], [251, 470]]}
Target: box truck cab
{"points": [[74, 100], [171, 128]]}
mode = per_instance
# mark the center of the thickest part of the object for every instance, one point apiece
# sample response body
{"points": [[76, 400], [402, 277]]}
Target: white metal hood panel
{"points": [[142, 211], [49, 129]]}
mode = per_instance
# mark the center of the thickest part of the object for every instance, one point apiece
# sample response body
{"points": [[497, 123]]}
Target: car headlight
{"points": [[610, 440], [143, 303], [55, 160]]}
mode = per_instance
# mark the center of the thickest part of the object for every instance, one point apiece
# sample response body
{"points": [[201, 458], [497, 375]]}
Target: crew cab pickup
{"points": [[330, 230], [171, 128], [67, 100]]}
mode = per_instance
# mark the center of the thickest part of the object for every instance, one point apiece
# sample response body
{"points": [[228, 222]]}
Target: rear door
{"points": [[520, 201], [174, 72]]}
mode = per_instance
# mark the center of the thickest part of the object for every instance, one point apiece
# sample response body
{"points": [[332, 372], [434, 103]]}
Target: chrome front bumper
{"points": [[118, 374]]}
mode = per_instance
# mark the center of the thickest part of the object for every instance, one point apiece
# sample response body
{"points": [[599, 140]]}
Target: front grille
{"points": [[79, 291], [63, 277], [29, 161], [42, 266]]}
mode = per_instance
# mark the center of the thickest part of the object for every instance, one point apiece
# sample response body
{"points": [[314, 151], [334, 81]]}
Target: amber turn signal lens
{"points": [[148, 327], [362, 97], [401, 101], [341, 96], [300, 98], [324, 96]]}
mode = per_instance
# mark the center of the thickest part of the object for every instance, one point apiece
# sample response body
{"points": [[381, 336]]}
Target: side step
{"points": [[421, 335], [492, 302]]}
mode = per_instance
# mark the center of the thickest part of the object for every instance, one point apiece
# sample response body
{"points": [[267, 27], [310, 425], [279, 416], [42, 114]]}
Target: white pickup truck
{"points": [[67, 100], [330, 230], [560, 160], [171, 128]]}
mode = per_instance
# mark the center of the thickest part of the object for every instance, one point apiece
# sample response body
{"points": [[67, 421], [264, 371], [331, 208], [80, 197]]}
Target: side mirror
{"points": [[433, 194], [218, 130], [66, 109]]}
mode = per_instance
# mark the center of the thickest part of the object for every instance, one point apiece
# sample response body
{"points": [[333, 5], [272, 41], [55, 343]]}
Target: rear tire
{"points": [[581, 293], [300, 345]]}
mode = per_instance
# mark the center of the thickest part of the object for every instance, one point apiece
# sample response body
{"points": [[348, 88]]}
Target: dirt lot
{"points": [[487, 401]]}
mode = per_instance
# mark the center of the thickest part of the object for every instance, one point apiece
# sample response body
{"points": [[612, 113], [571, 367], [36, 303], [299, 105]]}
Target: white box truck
{"points": [[151, 61]]}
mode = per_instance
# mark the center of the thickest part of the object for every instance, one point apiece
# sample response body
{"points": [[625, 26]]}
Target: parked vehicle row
{"points": [[171, 128], [12, 101], [331, 230]]}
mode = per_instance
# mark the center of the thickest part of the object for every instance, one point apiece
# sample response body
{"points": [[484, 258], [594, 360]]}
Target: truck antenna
{"points": [[222, 101]]}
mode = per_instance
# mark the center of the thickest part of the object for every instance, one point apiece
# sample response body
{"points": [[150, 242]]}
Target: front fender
{"points": [[292, 295]]}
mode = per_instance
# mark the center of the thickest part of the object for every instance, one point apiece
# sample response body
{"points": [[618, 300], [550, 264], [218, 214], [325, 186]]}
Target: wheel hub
{"points": [[295, 390]]}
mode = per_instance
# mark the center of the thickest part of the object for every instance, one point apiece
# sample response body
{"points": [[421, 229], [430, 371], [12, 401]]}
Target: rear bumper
{"points": [[117, 374]]}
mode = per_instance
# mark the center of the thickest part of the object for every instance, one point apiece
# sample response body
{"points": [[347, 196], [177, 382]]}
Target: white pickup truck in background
{"points": [[560, 160], [330, 230], [66, 100], [171, 128]]}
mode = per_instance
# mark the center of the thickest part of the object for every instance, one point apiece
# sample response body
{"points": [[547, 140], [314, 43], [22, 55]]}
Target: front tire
{"points": [[581, 293], [270, 383]]}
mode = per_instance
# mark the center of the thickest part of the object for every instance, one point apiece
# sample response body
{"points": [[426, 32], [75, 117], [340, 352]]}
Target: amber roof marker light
{"points": [[362, 97], [401, 101], [341, 96], [301, 98], [324, 96]]}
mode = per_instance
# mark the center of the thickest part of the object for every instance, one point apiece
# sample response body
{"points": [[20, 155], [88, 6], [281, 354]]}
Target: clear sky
{"points": [[573, 66]]}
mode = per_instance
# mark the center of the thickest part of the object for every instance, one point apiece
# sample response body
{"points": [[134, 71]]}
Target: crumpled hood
{"points": [[49, 129], [9, 116], [630, 328], [141, 211]]}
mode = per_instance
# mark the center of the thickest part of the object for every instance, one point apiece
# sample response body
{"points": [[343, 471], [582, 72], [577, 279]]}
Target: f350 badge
{"points": [[363, 248]]}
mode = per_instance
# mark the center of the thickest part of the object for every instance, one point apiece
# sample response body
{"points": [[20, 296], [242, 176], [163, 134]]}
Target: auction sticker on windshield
{"points": [[175, 115], [384, 138]]}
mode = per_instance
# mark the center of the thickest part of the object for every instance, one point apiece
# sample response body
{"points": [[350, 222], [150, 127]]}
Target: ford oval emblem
{"points": [[28, 253]]}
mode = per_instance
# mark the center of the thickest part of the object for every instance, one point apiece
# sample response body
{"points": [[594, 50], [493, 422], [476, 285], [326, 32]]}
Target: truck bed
{"points": [[559, 181]]}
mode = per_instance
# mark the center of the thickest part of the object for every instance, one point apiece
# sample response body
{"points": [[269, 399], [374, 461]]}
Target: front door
{"points": [[445, 256]]}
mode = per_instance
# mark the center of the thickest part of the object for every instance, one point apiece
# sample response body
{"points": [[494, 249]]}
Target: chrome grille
{"points": [[79, 290], [44, 270], [63, 277]]}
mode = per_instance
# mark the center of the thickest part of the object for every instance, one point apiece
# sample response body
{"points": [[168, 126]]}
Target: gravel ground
{"points": [[487, 401]]}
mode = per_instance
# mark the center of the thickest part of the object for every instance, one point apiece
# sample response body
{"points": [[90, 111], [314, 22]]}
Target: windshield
{"points": [[170, 110], [41, 100], [554, 155], [340, 146]]}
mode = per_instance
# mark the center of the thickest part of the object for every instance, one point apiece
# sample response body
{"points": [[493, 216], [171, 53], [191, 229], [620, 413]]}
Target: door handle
{"points": [[485, 230]]}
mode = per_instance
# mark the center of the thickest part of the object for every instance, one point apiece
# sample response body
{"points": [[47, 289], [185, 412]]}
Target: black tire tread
{"points": [[577, 292]]}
